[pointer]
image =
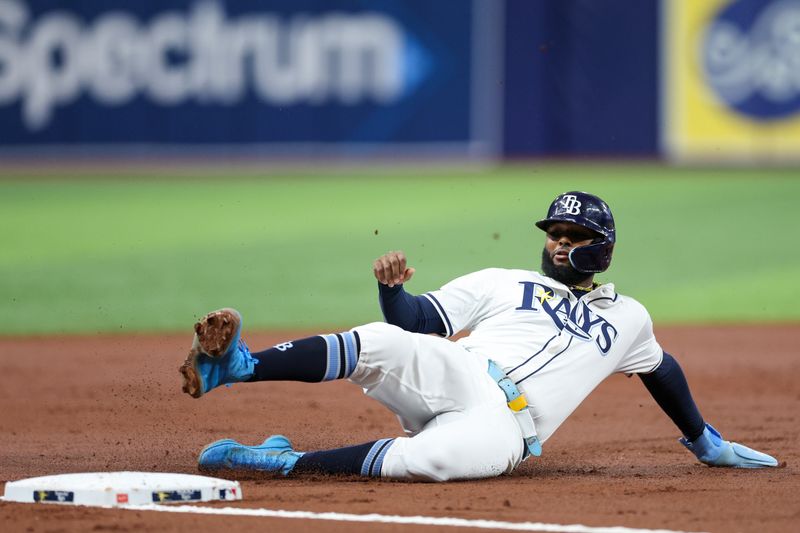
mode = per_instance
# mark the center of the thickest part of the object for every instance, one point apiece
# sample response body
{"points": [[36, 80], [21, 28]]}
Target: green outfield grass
{"points": [[149, 253]]}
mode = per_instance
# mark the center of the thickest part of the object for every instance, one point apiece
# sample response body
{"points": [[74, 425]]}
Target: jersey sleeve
{"points": [[644, 354], [461, 303]]}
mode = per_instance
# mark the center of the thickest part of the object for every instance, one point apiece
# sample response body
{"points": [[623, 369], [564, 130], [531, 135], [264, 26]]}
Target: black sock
{"points": [[363, 459], [314, 359]]}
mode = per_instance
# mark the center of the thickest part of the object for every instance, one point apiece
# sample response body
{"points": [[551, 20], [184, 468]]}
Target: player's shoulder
{"points": [[630, 300], [473, 279], [514, 275], [490, 278], [508, 272], [629, 303]]}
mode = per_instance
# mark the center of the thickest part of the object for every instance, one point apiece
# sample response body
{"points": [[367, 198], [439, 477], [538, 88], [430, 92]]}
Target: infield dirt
{"points": [[111, 403]]}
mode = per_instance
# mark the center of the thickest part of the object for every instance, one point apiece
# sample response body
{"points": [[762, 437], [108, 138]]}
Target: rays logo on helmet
{"points": [[591, 212], [569, 205]]}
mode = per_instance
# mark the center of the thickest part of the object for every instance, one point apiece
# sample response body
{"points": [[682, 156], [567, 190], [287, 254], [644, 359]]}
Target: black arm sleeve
{"points": [[669, 388], [412, 313]]}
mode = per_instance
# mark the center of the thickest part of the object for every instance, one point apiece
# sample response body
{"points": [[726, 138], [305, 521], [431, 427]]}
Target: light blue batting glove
{"points": [[712, 450]]}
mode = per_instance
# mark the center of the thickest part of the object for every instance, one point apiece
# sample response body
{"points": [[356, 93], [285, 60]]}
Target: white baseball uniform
{"points": [[556, 347]]}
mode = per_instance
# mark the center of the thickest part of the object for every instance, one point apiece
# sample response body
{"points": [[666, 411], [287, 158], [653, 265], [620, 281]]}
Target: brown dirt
{"points": [[112, 403]]}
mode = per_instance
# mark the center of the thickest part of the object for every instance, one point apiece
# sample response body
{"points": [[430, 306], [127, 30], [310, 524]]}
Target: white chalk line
{"points": [[394, 519], [381, 519]]}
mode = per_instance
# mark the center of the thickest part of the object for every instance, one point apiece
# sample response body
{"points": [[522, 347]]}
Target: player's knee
{"points": [[441, 464], [435, 468], [379, 328], [379, 336]]}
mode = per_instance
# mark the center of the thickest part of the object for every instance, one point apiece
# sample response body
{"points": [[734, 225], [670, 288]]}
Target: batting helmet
{"points": [[591, 212]]}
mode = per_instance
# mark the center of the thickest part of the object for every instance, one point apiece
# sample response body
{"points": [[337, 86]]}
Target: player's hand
{"points": [[710, 448], [390, 269]]}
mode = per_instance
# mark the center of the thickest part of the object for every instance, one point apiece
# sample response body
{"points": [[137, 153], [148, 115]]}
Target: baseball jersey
{"points": [[556, 347]]}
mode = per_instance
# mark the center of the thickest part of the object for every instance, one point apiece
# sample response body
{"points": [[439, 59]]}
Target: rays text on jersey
{"points": [[576, 319]]}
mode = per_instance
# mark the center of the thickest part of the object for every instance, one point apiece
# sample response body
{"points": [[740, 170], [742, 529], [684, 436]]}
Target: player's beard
{"points": [[566, 274]]}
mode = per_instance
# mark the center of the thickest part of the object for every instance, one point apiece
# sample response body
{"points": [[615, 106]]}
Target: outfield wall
{"points": [[473, 79]]}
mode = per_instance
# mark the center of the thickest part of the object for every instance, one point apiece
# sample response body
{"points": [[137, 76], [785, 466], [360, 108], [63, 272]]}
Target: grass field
{"points": [[135, 252]]}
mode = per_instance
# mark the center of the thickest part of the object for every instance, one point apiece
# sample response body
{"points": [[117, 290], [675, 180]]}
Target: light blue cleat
{"points": [[711, 449], [218, 355], [274, 455]]}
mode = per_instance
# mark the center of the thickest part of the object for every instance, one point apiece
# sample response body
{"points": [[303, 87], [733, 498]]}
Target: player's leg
{"points": [[459, 424], [419, 377], [444, 397], [219, 356], [477, 443], [276, 455], [416, 376], [404, 371]]}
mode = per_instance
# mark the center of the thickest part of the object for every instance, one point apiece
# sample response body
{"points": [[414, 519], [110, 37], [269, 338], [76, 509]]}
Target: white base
{"points": [[121, 488]]}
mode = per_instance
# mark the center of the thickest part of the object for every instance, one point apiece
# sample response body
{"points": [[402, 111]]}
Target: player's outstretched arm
{"points": [[668, 386]]}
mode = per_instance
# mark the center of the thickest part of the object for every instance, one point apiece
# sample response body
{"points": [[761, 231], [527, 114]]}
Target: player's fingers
{"points": [[377, 270], [398, 266], [393, 268], [408, 274], [382, 270], [386, 268], [389, 268]]}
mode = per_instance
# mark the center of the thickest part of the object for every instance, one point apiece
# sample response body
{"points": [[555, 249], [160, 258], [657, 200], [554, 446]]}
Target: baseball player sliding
{"points": [[539, 343]]}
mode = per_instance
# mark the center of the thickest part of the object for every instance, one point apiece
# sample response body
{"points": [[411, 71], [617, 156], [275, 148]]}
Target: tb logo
{"points": [[570, 204]]}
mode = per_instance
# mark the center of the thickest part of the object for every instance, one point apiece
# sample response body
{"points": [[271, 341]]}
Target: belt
{"points": [[519, 406]]}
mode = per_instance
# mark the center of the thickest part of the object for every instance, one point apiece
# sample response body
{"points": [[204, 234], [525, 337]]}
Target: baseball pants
{"points": [[457, 423]]}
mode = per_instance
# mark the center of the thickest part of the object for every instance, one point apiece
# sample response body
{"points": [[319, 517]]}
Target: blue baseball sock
{"points": [[363, 459], [314, 359]]}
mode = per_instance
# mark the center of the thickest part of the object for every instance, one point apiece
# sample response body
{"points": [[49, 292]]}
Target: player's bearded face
{"points": [[566, 273], [563, 237]]}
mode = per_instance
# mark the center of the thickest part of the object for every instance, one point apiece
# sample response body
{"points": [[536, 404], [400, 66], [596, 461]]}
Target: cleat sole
{"points": [[191, 378], [215, 332]]}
